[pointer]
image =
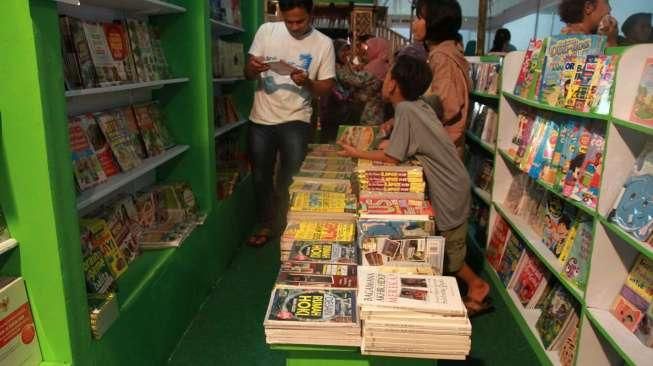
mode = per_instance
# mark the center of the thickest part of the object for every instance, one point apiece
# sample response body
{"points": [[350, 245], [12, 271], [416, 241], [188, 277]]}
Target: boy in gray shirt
{"points": [[418, 133]]}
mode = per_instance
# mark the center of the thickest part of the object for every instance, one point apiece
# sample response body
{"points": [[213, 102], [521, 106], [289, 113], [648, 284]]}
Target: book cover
{"points": [[556, 83], [394, 229], [515, 193], [158, 118], [589, 182], [86, 67], [432, 294], [385, 207], [148, 130], [530, 73], [537, 133], [643, 104], [510, 259], [126, 118], [544, 153], [325, 175], [86, 166], [581, 92], [121, 232], [569, 142], [554, 207], [627, 313], [72, 73], [99, 144], [602, 98], [308, 184], [161, 67], [560, 46], [640, 279], [120, 50], [109, 71], [317, 274], [146, 208], [103, 240], [323, 251], [413, 252], [528, 280], [20, 343], [554, 316], [498, 241], [644, 331], [576, 159], [360, 137], [141, 46], [328, 307], [576, 267], [564, 249], [119, 139], [340, 231], [96, 272], [323, 202]]}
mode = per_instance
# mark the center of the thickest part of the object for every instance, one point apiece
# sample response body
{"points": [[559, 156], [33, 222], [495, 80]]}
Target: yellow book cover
{"points": [[323, 202], [565, 249], [104, 241], [640, 278], [340, 231]]}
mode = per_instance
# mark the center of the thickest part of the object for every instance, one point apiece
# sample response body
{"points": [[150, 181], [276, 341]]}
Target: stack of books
{"points": [[374, 176], [416, 316]]}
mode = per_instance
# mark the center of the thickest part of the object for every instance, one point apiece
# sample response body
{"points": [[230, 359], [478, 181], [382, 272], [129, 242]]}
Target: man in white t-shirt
{"points": [[292, 62]]}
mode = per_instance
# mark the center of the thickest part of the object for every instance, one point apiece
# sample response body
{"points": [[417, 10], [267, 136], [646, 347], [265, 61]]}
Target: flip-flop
{"points": [[478, 308], [260, 238]]}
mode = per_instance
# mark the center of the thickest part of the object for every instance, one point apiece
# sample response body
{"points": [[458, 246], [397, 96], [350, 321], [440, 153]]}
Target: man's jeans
{"points": [[290, 140]]}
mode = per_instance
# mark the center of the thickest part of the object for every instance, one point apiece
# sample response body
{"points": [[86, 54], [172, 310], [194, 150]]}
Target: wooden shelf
{"points": [[124, 87], [8, 245], [224, 29], [229, 127], [118, 181], [623, 341], [587, 210], [485, 145], [228, 80], [546, 107], [544, 254], [144, 7]]}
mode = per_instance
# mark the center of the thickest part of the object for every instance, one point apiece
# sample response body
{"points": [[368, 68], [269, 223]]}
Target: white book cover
{"points": [[435, 294], [108, 70], [412, 252], [19, 343]]}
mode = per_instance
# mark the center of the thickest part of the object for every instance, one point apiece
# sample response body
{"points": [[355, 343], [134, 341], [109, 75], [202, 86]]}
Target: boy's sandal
{"points": [[475, 308], [260, 238]]}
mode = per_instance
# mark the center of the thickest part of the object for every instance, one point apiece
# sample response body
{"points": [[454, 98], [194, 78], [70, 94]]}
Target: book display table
{"points": [[341, 356]]}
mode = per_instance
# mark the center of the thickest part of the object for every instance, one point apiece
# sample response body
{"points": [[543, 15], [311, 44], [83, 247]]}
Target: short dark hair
{"points": [[633, 20], [443, 19], [573, 11], [285, 5], [413, 76]]}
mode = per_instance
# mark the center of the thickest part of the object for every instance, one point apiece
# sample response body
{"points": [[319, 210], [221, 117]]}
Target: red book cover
{"points": [[498, 241], [529, 279]]}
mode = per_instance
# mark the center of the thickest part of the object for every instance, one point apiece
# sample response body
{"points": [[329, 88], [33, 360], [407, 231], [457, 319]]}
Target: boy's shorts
{"points": [[455, 248]]}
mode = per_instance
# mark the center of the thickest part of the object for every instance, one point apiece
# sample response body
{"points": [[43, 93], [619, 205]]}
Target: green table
{"points": [[341, 356]]}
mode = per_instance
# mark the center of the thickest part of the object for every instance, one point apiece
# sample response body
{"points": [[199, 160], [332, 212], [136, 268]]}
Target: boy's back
{"points": [[418, 132]]}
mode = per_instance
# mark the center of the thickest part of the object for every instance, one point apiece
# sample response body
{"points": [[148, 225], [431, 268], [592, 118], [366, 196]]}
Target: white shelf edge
{"points": [[227, 128], [8, 245], [483, 195], [224, 29], [124, 87], [627, 342], [146, 7], [118, 181], [228, 80]]}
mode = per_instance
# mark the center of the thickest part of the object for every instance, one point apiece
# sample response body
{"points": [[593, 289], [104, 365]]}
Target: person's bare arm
{"points": [[317, 87], [254, 67], [377, 155]]}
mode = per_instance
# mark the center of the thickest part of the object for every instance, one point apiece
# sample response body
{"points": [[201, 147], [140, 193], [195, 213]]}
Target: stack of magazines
{"points": [[416, 316]]}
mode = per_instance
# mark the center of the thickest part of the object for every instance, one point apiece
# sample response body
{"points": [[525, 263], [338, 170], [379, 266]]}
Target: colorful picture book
{"points": [[360, 137], [643, 106]]}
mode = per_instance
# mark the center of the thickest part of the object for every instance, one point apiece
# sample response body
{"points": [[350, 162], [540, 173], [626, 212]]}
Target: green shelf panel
{"points": [[648, 130], [531, 338], [573, 290], [591, 212], [483, 195], [546, 107], [486, 146], [479, 94], [639, 246]]}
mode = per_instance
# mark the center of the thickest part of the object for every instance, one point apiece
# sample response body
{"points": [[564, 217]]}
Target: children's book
{"points": [[360, 137], [324, 185], [103, 240], [530, 275], [602, 98], [577, 155], [510, 260], [576, 267], [572, 132], [587, 187], [379, 208], [394, 229], [530, 73], [515, 193], [643, 106], [86, 166], [498, 241], [558, 311], [322, 202], [552, 216], [555, 90], [126, 118]]}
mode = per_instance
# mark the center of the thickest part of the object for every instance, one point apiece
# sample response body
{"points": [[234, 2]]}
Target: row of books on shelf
{"points": [[111, 53], [483, 121], [568, 71], [479, 219], [232, 165], [228, 59], [485, 76], [566, 231], [227, 11], [225, 110], [105, 143], [535, 289], [481, 170], [336, 270], [564, 153], [114, 235]]}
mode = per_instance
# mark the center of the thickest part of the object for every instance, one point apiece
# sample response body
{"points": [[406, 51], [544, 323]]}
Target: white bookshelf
{"points": [[124, 87], [140, 7], [603, 340]]}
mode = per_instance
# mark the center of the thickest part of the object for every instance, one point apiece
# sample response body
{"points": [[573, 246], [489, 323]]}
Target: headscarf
{"points": [[378, 59], [338, 45], [416, 50]]}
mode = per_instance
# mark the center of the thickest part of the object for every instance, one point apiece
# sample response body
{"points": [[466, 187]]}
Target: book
{"points": [[581, 93], [317, 274], [394, 229], [555, 90], [20, 343], [414, 253], [99, 143], [603, 96], [120, 140], [576, 266], [120, 50], [149, 129], [432, 294], [127, 119], [161, 67], [86, 166], [102, 239], [360, 137], [72, 73], [528, 279], [642, 111], [326, 307], [141, 46], [96, 272], [321, 251], [530, 73], [379, 208], [87, 72], [510, 260], [557, 312], [498, 240], [109, 71], [322, 202], [103, 312], [317, 184]]}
